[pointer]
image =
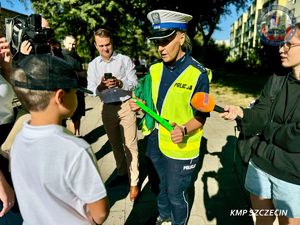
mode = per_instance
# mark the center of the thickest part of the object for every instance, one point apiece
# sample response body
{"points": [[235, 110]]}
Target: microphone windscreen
{"points": [[203, 102]]}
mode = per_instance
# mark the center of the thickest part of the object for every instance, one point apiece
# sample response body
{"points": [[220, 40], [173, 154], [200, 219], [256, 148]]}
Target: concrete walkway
{"points": [[217, 189]]}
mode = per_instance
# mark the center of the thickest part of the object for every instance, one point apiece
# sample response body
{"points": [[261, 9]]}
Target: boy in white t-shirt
{"points": [[54, 173]]}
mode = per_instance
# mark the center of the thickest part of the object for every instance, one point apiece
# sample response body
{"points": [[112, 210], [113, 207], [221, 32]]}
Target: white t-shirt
{"points": [[6, 97], [55, 175]]}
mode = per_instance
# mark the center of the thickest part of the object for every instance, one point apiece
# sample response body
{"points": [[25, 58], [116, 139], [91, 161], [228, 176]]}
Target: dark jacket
{"points": [[74, 60], [278, 151]]}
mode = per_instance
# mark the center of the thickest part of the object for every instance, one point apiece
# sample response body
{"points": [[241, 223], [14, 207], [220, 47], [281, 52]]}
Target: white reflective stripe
{"points": [[187, 208]]}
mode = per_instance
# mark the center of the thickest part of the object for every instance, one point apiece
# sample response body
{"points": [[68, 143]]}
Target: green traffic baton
{"points": [[153, 114]]}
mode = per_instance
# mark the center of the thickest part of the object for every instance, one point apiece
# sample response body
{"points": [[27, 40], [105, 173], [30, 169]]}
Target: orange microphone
{"points": [[204, 102]]}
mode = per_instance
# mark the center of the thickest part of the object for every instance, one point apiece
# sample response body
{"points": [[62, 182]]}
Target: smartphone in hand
{"points": [[107, 76]]}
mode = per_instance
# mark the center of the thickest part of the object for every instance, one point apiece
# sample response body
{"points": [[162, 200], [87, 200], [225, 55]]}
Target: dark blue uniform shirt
{"points": [[170, 74]]}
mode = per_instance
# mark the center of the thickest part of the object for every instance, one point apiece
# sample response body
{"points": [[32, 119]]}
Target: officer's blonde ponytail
{"points": [[187, 45]]}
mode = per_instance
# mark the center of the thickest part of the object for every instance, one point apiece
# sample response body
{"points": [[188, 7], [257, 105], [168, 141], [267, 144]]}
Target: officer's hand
{"points": [[133, 106], [177, 134]]}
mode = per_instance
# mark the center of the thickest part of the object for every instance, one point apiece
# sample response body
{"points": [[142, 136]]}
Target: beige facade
{"points": [[243, 32], [294, 6]]}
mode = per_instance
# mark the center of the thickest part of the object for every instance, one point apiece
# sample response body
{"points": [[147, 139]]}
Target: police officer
{"points": [[178, 76]]}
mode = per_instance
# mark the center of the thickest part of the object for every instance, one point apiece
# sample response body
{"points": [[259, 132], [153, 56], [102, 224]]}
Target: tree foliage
{"points": [[127, 19], [81, 18], [205, 17]]}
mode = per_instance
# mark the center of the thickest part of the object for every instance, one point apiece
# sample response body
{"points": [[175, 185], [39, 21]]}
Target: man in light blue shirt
{"points": [[112, 77]]}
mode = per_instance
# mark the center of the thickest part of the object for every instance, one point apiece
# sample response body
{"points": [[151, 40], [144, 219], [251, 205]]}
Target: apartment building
{"points": [[244, 37]]}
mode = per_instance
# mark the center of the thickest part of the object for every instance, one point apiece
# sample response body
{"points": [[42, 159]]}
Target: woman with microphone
{"points": [[273, 175]]}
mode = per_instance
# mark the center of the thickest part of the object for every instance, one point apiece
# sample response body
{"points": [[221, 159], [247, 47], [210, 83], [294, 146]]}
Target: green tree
{"points": [[81, 18], [206, 17], [127, 19]]}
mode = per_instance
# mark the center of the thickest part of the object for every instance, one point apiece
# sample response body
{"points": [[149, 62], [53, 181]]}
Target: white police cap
{"points": [[166, 22]]}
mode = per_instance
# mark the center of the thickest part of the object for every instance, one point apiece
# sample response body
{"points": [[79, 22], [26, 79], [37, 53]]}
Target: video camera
{"points": [[30, 28]]}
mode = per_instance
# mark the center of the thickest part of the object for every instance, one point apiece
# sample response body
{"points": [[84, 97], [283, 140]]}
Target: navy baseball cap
{"points": [[48, 72]]}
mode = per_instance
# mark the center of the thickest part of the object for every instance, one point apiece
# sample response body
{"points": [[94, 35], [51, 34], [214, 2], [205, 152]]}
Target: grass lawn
{"points": [[236, 87]]}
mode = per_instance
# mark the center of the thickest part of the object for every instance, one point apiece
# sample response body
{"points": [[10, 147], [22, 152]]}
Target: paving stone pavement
{"points": [[217, 189]]}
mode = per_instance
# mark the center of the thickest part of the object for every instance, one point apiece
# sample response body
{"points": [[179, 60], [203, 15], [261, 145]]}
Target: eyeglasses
{"points": [[287, 46]]}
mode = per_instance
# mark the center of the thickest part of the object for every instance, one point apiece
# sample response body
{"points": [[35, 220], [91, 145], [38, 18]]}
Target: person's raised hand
{"points": [[25, 47], [5, 58], [5, 53]]}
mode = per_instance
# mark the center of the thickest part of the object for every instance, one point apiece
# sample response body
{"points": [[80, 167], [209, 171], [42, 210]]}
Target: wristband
{"points": [[184, 131]]}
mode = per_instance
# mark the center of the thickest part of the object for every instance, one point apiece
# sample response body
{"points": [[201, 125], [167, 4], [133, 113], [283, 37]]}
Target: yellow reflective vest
{"points": [[176, 108]]}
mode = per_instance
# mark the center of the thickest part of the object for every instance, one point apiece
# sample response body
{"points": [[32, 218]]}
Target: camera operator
{"points": [[56, 50], [30, 36], [26, 46]]}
